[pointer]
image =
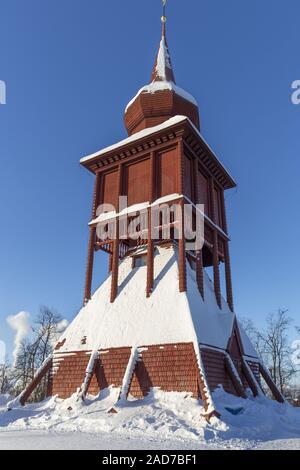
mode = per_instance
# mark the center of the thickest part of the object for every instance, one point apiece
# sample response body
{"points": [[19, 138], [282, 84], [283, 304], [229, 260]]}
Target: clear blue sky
{"points": [[71, 66]]}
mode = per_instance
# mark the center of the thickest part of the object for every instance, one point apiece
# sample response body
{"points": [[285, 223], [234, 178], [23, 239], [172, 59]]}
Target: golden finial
{"points": [[164, 18]]}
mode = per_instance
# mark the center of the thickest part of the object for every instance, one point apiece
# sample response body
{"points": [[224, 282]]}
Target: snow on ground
{"points": [[161, 421]]}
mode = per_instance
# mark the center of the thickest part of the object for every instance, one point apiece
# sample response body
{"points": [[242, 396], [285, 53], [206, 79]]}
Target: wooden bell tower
{"points": [[165, 158], [157, 320]]}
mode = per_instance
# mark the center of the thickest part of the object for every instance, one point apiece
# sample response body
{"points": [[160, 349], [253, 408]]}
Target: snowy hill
{"points": [[162, 420]]}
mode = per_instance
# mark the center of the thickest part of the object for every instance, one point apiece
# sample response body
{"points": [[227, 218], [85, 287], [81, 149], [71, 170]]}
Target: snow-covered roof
{"points": [[135, 137], [162, 85], [135, 320], [163, 67], [163, 76], [148, 131]]}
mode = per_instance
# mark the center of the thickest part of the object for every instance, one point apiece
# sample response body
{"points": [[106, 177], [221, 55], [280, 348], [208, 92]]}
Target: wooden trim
{"points": [[137, 155]]}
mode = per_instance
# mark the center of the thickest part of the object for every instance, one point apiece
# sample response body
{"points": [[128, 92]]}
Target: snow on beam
{"points": [[253, 384], [133, 359], [88, 376], [272, 386], [234, 376], [210, 409], [25, 394]]}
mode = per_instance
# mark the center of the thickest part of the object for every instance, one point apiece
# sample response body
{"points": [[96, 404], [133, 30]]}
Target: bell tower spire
{"points": [[162, 98], [163, 70]]}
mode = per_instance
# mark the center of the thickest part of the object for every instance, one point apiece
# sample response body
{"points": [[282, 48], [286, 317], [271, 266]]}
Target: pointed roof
{"points": [[182, 317], [162, 99], [163, 70]]}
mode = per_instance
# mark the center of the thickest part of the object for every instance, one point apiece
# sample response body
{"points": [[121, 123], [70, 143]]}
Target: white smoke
{"points": [[20, 323]]}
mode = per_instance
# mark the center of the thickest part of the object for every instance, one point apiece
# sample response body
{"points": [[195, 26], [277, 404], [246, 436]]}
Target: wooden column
{"points": [[217, 284], [229, 293], [91, 245], [116, 245], [180, 219], [110, 263], [199, 253], [150, 251], [269, 381], [199, 272]]}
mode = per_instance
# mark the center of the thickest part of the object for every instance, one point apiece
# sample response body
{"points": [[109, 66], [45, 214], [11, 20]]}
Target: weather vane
{"points": [[164, 18]]}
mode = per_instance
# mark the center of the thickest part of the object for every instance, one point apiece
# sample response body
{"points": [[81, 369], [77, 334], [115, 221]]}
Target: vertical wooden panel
{"points": [[188, 185], [217, 207], [138, 182], [166, 173], [110, 188], [203, 197]]}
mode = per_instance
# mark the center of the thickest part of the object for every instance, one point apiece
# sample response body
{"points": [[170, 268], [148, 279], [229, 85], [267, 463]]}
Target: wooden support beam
{"points": [[91, 245], [116, 244], [180, 219], [150, 251], [134, 357], [150, 256], [272, 386], [110, 263], [90, 370], [90, 265], [229, 293], [25, 394], [181, 251], [115, 264], [217, 284], [199, 272], [234, 376], [255, 388]]}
